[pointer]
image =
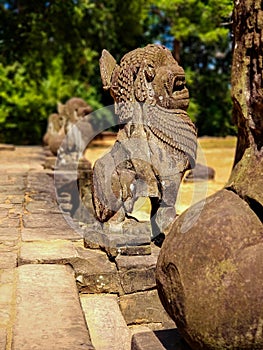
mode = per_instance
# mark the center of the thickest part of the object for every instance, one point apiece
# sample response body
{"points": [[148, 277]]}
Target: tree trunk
{"points": [[247, 94], [176, 50]]}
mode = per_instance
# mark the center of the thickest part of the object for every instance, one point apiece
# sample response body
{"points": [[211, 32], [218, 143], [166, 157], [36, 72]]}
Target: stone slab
{"points": [[131, 238], [146, 341], [3, 178], [9, 238], [4, 213], [44, 206], [11, 233], [5, 314], [6, 299], [93, 270], [16, 177], [137, 328], [46, 252], [143, 308], [125, 245], [4, 205], [107, 326], [7, 276], [48, 233], [159, 340], [6, 147], [49, 315], [14, 199], [9, 222], [40, 181], [8, 246], [2, 339], [6, 293], [45, 220], [17, 209], [11, 189], [8, 260], [95, 273], [42, 196], [137, 273]]}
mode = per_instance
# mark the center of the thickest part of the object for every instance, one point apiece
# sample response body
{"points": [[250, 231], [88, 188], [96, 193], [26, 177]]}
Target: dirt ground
{"points": [[217, 153]]}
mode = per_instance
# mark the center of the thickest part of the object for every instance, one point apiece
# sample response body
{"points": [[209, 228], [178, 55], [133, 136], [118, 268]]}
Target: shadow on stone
{"points": [[168, 339]]}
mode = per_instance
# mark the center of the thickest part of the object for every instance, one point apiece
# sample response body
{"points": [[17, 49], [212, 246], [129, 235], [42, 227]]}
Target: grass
{"points": [[217, 142], [217, 153]]}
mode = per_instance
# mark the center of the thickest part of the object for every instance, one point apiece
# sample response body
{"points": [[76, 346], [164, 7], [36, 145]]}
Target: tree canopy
{"points": [[49, 52], [198, 33]]}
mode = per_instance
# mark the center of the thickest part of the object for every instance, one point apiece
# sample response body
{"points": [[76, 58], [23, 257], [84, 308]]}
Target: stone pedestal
{"points": [[128, 238]]}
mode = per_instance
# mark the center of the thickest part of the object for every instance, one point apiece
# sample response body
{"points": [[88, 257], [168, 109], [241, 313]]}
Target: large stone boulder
{"points": [[210, 274], [210, 269]]}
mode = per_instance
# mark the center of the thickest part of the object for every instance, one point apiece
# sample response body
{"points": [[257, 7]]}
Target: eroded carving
{"points": [[73, 111], [55, 132], [75, 114], [156, 142]]}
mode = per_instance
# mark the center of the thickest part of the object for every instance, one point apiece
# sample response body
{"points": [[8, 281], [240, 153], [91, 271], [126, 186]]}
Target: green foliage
{"points": [[198, 32], [49, 52], [26, 103], [194, 18]]}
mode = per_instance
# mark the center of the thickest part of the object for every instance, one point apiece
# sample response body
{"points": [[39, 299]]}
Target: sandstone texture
{"points": [[144, 308], [210, 277], [49, 314], [108, 329], [45, 269]]}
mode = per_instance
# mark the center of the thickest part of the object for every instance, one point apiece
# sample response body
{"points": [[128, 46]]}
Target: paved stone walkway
{"points": [[53, 291], [39, 304]]}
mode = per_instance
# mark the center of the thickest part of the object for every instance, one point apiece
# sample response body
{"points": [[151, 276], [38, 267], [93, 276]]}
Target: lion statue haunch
{"points": [[156, 142]]}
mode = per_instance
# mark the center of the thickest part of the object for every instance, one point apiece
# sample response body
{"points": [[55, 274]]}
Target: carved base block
{"points": [[127, 238]]}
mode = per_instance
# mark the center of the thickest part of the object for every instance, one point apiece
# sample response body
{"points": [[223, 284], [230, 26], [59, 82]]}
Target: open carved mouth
{"points": [[179, 85]]}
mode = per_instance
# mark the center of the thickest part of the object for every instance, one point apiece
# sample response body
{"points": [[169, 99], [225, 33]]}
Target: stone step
{"points": [[144, 308], [93, 270], [108, 329], [168, 339], [6, 147], [48, 310]]}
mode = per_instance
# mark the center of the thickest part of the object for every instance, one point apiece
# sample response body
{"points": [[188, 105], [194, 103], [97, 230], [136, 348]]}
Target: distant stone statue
{"points": [[71, 167], [73, 112], [156, 142], [75, 115], [55, 132]]}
